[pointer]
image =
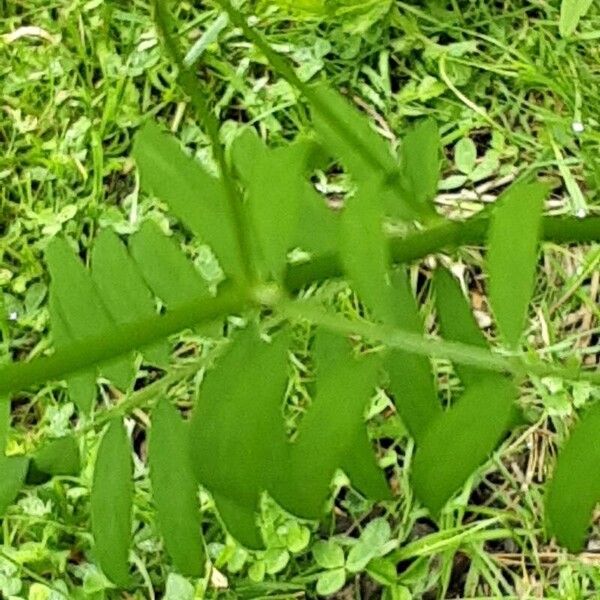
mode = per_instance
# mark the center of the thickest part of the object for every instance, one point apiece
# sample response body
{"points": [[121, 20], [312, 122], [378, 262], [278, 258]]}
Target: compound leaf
{"points": [[164, 267], [512, 256], [112, 502], [410, 376], [13, 470], [275, 187], [365, 253], [456, 320], [574, 489], [420, 164], [57, 457]]}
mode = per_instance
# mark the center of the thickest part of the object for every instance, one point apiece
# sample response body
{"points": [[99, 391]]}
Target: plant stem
{"points": [[189, 83], [413, 343], [231, 300], [443, 238], [120, 340]]}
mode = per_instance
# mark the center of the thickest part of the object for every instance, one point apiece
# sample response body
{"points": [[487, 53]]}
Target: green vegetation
{"points": [[513, 100]]}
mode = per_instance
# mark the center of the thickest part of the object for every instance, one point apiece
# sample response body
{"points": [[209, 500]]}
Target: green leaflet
{"points": [[411, 378], [275, 190], [193, 196], [365, 253], [175, 489], [57, 457], [512, 256], [420, 164], [332, 434], [123, 289], [112, 503], [347, 135], [13, 470], [351, 133], [571, 12], [456, 321], [77, 312], [237, 437], [168, 272], [460, 440], [574, 490]]}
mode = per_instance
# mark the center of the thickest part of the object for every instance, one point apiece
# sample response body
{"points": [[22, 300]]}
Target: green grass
{"points": [[73, 92]]}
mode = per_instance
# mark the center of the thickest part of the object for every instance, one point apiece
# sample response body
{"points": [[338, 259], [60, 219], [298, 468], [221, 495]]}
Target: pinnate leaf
{"points": [[574, 490], [13, 470], [421, 162], [112, 502], [175, 489], [57, 457], [512, 256]]}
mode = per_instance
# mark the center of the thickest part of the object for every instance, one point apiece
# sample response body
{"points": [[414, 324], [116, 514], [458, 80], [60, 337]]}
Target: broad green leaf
{"points": [[421, 163], [57, 457], [13, 470], [275, 188], [512, 256], [193, 196], [122, 288], [571, 12], [574, 490], [333, 435], [237, 436], [76, 307], [175, 489], [112, 503], [456, 320], [410, 376], [462, 439]]}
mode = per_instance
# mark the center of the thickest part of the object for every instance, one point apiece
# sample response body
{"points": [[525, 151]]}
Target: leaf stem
{"points": [[413, 343]]}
